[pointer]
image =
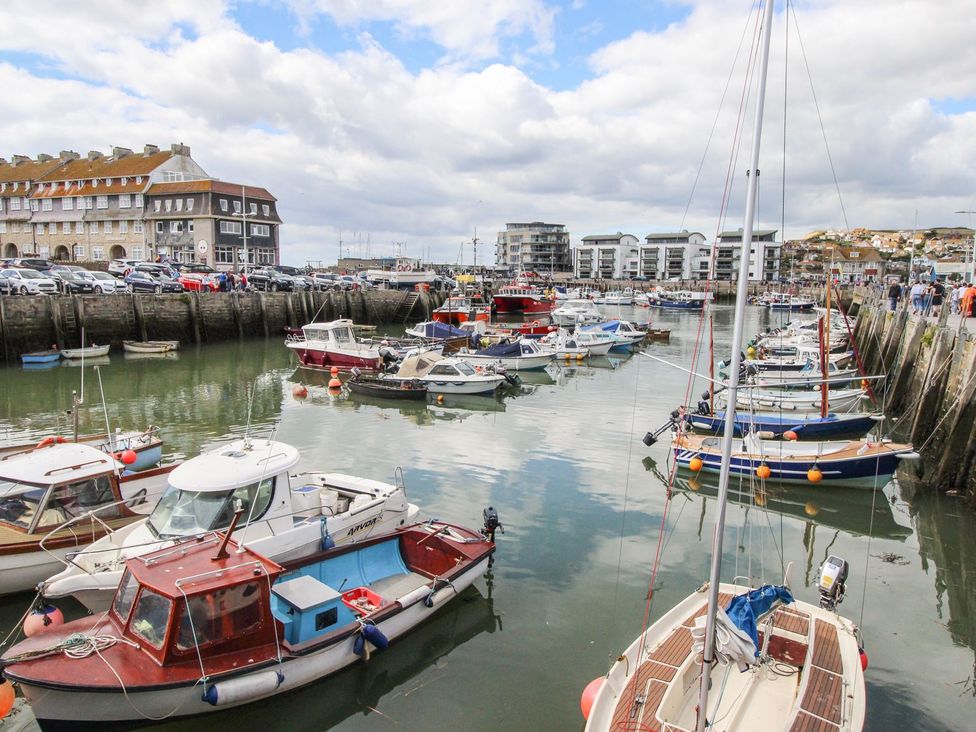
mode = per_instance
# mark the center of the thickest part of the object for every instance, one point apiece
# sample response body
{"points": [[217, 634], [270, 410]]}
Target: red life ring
{"points": [[534, 324], [53, 439]]}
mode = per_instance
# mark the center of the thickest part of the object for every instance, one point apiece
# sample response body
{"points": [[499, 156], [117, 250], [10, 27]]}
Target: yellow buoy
{"points": [[810, 508], [696, 464], [440, 397], [751, 352], [814, 474], [763, 471]]}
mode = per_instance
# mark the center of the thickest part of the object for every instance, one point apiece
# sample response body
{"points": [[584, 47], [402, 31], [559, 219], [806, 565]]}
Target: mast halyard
{"points": [[742, 291]]}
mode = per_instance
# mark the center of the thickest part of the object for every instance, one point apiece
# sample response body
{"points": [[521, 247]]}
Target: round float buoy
{"points": [[814, 474], [864, 383], [440, 398], [790, 435], [810, 508], [864, 658], [128, 457], [751, 352], [6, 698], [696, 464], [334, 371], [760, 499], [589, 695], [299, 392], [42, 619], [335, 383], [763, 471], [579, 356]]}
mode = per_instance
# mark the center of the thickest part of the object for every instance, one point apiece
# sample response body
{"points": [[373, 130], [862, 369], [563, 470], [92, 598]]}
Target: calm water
{"points": [[581, 499]]}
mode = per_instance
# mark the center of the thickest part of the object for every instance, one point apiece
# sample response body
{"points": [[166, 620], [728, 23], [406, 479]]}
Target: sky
{"points": [[420, 125]]}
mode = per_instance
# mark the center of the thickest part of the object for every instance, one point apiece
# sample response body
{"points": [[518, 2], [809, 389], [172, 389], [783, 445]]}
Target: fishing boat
{"points": [[799, 359], [324, 345], [86, 352], [388, 388], [150, 346], [59, 498], [801, 665], [576, 312], [211, 624], [792, 303], [677, 299], [287, 515], [448, 375], [452, 337], [562, 344], [520, 297], [34, 357], [518, 355], [615, 297], [803, 426], [459, 308]]}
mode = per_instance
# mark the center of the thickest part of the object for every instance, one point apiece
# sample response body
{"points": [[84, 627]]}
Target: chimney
{"points": [[94, 155], [120, 152], [180, 149], [149, 150], [18, 159], [43, 157], [68, 155]]}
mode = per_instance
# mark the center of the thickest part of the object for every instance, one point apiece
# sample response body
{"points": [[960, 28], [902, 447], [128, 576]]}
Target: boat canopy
{"points": [[435, 329], [239, 463], [417, 365], [59, 463], [608, 326], [502, 350]]}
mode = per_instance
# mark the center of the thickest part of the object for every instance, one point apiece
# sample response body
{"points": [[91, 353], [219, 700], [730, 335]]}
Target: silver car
{"points": [[103, 282], [30, 282]]}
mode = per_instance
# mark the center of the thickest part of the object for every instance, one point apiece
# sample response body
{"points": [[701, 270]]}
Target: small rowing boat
{"points": [[86, 352], [150, 346]]}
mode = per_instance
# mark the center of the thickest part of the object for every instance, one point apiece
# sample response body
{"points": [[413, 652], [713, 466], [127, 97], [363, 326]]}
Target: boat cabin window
{"points": [[443, 369], [465, 369], [34, 508], [343, 335], [189, 513], [220, 615], [19, 502], [125, 595], [151, 617]]}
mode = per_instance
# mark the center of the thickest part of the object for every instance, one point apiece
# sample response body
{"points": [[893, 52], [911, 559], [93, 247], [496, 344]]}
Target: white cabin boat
{"points": [[448, 375], [324, 345], [573, 312]]}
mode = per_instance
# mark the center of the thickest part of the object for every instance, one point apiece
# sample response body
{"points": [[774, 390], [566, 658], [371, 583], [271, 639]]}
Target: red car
{"points": [[195, 282]]}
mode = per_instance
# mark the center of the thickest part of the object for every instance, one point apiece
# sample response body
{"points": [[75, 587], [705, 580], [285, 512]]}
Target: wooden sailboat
{"points": [[801, 665]]}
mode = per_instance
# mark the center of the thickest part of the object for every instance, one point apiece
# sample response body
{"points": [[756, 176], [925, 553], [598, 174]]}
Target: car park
{"points": [[103, 282], [30, 282], [119, 267], [72, 283], [141, 281]]}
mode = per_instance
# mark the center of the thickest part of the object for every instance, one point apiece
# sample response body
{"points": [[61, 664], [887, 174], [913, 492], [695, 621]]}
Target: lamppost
{"points": [[972, 269], [244, 216]]}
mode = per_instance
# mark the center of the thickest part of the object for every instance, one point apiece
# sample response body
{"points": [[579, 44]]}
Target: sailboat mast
{"points": [[742, 292]]}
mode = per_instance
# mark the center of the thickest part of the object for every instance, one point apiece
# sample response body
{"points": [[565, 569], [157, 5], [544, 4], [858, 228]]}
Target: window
{"points": [[125, 595], [47, 205], [179, 204], [157, 205], [1, 200], [79, 227], [42, 229], [138, 180], [93, 227], [175, 227], [65, 227], [125, 181], [189, 226], [78, 252], [182, 513], [3, 227], [125, 201], [107, 227], [237, 206], [123, 227], [88, 202], [67, 204], [223, 204], [218, 616], [97, 254], [266, 209], [159, 227], [137, 253], [230, 227], [138, 200], [33, 205], [266, 256], [224, 255], [137, 226], [101, 201], [15, 203], [151, 617], [95, 183], [168, 205], [44, 251], [254, 208], [189, 204], [260, 230]]}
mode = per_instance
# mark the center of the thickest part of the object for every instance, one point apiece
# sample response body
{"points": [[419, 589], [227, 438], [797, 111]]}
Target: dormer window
{"points": [[108, 181], [138, 180], [95, 183], [125, 181]]}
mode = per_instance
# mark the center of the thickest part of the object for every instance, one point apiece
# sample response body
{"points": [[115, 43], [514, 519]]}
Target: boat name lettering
{"points": [[364, 525]]}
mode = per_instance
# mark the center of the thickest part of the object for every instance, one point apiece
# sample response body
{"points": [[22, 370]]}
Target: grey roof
{"points": [[606, 237], [738, 233], [674, 235]]}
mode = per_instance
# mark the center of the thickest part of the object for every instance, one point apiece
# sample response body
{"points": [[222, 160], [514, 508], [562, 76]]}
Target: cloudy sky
{"points": [[382, 121]]}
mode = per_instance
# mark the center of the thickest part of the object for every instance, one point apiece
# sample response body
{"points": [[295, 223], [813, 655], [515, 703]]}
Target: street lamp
{"points": [[243, 213], [972, 269]]}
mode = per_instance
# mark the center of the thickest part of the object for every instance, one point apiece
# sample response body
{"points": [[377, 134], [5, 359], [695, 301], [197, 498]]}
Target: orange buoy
{"points": [[42, 619], [334, 371], [299, 391], [763, 471], [864, 658], [335, 383], [589, 695], [814, 474], [128, 456], [52, 440], [790, 435], [864, 383], [810, 508], [440, 397], [696, 464], [6, 698]]}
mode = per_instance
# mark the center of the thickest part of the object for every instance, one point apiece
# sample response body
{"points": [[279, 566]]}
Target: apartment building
{"points": [[764, 256], [675, 255], [17, 179], [534, 246], [607, 256], [215, 222]]}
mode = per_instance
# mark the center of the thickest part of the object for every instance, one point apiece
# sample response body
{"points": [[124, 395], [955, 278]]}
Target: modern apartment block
{"points": [[534, 246], [676, 255], [606, 257], [98, 207], [764, 259], [215, 222]]}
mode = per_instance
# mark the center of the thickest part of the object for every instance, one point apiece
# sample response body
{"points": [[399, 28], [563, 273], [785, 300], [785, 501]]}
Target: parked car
{"points": [[304, 282], [118, 267], [270, 280], [285, 269], [196, 268], [103, 282], [326, 281], [72, 283], [30, 282], [199, 282], [6, 286], [139, 281], [41, 265]]}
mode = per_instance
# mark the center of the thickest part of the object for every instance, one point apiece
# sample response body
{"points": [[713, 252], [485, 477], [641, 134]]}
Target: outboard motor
{"points": [[832, 582], [492, 523], [703, 408]]}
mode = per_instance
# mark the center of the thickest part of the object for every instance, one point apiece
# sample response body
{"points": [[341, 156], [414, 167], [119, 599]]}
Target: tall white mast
{"points": [[742, 293]]}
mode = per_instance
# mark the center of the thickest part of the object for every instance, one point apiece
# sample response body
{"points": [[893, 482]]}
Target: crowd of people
{"points": [[928, 298]]}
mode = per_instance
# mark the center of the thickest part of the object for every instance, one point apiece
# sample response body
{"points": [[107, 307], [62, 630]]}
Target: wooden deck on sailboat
{"points": [[820, 709]]}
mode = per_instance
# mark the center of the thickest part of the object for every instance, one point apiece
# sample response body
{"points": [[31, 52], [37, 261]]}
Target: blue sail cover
{"points": [[502, 350], [744, 609], [607, 326], [433, 329]]}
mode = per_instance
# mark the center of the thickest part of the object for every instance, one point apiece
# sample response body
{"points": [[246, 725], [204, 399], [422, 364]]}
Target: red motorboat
{"points": [[521, 298], [458, 309], [324, 345]]}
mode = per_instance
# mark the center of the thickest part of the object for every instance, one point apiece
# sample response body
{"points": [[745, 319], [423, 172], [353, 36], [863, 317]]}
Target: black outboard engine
{"points": [[704, 409], [492, 523], [832, 582]]}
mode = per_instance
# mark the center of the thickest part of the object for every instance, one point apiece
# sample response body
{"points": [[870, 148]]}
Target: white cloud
{"points": [[354, 141]]}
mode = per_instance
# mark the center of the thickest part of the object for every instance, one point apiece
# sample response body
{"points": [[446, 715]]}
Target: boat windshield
{"points": [[182, 513], [31, 507], [465, 368]]}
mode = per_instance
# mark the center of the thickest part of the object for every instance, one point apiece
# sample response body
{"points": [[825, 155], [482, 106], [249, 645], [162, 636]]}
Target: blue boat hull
{"points": [[41, 357], [676, 305], [872, 471], [818, 428], [791, 308]]}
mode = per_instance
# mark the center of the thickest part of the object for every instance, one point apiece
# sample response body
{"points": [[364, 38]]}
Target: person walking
{"points": [[954, 299], [918, 289], [894, 295], [938, 292], [966, 300]]}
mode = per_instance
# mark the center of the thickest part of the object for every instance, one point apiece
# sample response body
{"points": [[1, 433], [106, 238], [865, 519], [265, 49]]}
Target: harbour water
{"points": [[581, 499]]}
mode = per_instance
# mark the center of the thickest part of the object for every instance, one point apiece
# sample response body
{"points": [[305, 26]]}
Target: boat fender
{"points": [[243, 688], [51, 440], [327, 541], [435, 596], [375, 636]]}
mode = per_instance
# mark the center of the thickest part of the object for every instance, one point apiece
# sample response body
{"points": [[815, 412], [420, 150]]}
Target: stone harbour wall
{"points": [[37, 323]]}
